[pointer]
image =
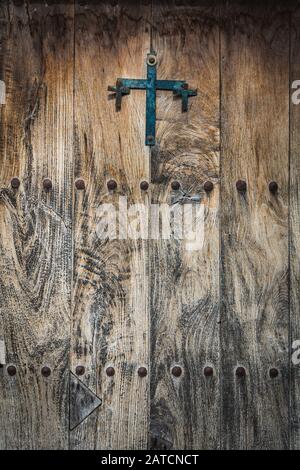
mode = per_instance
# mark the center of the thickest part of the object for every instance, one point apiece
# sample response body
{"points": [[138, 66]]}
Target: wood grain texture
{"points": [[36, 238], [295, 231], [224, 305], [254, 147], [185, 284], [111, 288]]}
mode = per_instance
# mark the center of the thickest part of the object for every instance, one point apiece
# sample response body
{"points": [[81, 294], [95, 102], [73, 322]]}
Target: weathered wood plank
{"points": [[35, 236], [110, 307], [255, 148], [185, 284], [295, 231]]}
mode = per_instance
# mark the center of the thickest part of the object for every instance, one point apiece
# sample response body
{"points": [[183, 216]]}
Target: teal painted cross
{"points": [[151, 84]]}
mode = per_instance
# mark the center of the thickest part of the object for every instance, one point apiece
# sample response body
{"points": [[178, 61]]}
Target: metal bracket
{"points": [[151, 84], [119, 90], [185, 94]]}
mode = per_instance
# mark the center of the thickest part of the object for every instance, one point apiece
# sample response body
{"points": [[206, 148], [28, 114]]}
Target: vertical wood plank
{"points": [[36, 44], [110, 304], [295, 230], [255, 148], [185, 284]]}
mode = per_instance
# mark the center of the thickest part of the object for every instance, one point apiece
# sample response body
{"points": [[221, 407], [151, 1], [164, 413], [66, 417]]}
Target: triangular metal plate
{"points": [[82, 401]]}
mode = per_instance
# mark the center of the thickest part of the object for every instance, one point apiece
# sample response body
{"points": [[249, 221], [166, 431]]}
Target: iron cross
{"points": [[151, 84]]}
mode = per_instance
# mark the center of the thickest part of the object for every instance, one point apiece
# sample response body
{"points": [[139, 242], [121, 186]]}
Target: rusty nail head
{"points": [[47, 184], [144, 185], [273, 373], [79, 184], [80, 370], [11, 370], [176, 371], [142, 371], [240, 372], [273, 187], [208, 371], [241, 185], [112, 184], [208, 186], [15, 183], [150, 138], [175, 185], [46, 371], [110, 371]]}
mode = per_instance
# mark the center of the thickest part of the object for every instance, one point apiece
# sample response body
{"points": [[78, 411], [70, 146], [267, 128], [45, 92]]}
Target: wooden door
{"points": [[123, 343]]}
